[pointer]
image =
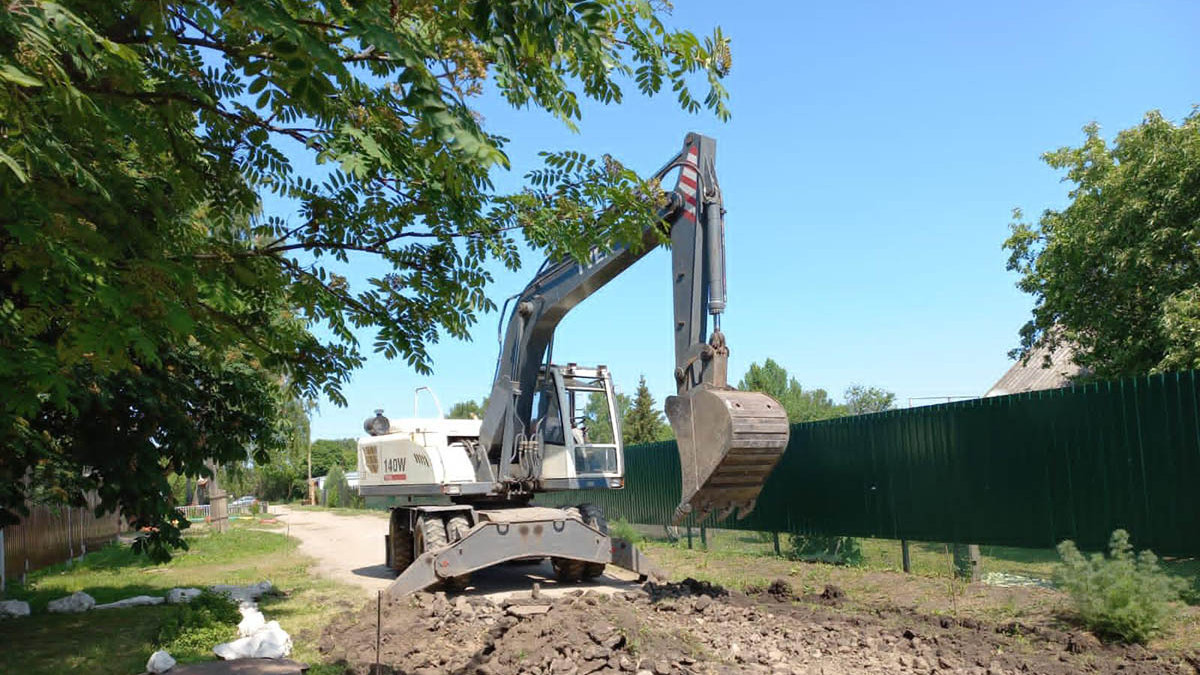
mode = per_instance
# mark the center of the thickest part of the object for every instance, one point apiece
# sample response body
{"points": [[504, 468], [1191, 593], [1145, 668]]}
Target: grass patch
{"points": [[342, 511], [119, 641]]}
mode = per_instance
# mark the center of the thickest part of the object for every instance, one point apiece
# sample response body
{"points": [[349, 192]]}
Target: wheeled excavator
{"points": [[533, 436]]}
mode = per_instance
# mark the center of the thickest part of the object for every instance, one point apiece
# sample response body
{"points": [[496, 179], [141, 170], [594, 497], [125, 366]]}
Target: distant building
{"points": [[1042, 370], [351, 480]]}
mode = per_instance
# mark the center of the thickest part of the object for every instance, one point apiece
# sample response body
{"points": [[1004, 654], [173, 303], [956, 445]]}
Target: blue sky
{"points": [[875, 153]]}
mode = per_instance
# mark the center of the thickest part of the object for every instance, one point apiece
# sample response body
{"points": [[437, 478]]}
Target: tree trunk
{"points": [[218, 509]]}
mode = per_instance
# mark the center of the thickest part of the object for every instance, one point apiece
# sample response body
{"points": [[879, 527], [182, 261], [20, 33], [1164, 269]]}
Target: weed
{"points": [[820, 548], [622, 529], [209, 619], [1191, 594], [1123, 596]]}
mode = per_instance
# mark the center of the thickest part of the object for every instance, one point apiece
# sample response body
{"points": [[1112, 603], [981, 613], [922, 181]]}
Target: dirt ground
{"points": [[802, 623], [346, 548], [697, 627]]}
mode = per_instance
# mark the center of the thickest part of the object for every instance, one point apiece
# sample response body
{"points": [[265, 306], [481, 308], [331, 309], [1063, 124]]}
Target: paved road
{"points": [[349, 548]]}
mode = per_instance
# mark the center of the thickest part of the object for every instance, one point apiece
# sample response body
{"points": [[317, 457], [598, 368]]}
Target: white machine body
{"points": [[432, 456]]}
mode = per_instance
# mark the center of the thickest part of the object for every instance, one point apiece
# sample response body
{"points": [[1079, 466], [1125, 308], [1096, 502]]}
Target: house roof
{"points": [[1033, 373]]}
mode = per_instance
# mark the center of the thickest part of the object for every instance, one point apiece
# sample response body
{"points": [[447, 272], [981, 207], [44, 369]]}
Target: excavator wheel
{"points": [[569, 570], [430, 536], [457, 527], [400, 542], [593, 515], [430, 533]]}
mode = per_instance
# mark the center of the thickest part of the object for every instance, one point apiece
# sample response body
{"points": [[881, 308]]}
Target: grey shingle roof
{"points": [[1029, 375]]}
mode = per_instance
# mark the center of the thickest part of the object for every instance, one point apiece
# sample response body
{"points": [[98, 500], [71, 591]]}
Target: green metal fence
{"points": [[1021, 470]]}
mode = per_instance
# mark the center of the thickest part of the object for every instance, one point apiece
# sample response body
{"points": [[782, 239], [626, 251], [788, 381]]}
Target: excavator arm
{"points": [[728, 440]]}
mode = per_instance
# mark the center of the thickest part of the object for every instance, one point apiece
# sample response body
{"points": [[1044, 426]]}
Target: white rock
{"points": [[160, 662], [177, 596], [269, 642], [252, 621], [72, 604], [135, 601], [12, 609]]}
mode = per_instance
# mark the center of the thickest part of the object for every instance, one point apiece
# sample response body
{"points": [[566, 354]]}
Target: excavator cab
{"points": [[568, 454]]}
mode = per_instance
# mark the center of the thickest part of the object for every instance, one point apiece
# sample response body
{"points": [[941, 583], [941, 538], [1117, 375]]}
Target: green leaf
{"points": [[11, 73], [12, 164]]}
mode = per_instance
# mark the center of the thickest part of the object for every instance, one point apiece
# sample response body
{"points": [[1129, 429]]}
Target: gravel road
{"points": [[349, 548]]}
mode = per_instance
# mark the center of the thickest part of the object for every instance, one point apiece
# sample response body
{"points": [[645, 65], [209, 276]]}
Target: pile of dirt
{"points": [[695, 627]]}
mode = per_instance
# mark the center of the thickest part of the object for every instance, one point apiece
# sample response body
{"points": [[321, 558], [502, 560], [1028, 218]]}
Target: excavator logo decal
{"points": [[394, 468]]}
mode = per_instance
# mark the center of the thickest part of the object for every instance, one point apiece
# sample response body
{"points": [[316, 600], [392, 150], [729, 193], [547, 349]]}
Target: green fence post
{"points": [[775, 536], [704, 536], [905, 561]]}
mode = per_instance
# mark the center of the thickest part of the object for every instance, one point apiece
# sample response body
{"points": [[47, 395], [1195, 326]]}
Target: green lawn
{"points": [[927, 558], [341, 510], [119, 641]]}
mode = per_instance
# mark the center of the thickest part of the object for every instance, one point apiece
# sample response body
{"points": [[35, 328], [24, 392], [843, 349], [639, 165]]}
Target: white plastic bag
{"points": [[252, 621], [269, 642], [274, 642]]}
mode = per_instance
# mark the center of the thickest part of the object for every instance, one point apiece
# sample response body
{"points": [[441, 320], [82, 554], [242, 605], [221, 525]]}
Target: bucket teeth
{"points": [[729, 441]]}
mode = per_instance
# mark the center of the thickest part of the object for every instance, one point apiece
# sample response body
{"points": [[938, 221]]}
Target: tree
{"points": [[598, 420], [1116, 274], [643, 423], [801, 406], [140, 278], [335, 488], [468, 410], [861, 400], [327, 453]]}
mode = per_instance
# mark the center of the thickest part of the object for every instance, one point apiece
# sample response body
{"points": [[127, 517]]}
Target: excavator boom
{"points": [[728, 440]]}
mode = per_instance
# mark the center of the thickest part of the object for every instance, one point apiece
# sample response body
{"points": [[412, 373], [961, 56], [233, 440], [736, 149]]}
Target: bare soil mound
{"points": [[696, 627]]}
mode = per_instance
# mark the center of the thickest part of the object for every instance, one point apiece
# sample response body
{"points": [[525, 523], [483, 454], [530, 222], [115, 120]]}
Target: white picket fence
{"points": [[203, 511]]}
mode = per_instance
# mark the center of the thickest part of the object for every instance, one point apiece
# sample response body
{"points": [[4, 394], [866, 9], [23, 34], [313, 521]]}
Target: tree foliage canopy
{"points": [[1116, 273], [150, 307], [644, 423], [599, 421], [468, 410], [800, 404], [862, 400]]}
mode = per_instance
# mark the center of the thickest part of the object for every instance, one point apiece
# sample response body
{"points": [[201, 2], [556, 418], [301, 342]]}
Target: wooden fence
{"points": [[50, 535]]}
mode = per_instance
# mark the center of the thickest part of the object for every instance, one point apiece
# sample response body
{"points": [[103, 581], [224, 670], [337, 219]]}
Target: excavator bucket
{"points": [[729, 441]]}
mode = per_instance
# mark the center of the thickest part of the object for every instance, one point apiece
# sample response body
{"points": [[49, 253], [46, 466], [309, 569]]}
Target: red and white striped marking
{"points": [[689, 177]]}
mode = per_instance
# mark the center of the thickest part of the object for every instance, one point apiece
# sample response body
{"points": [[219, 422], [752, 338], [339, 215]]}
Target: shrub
{"points": [[826, 549], [1123, 597], [210, 618], [334, 496], [1191, 594], [623, 529]]}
